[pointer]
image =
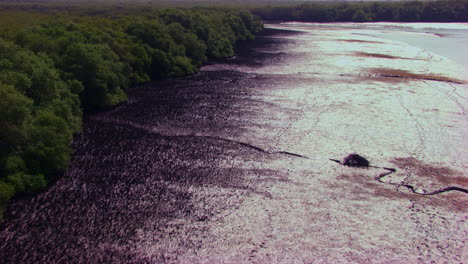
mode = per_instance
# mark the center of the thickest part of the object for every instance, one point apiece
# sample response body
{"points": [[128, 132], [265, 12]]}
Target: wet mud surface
{"points": [[232, 165]]}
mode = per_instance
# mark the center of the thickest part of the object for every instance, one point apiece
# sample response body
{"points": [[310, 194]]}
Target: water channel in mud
{"points": [[231, 165]]}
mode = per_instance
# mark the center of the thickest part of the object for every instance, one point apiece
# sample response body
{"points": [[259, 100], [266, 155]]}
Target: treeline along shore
{"points": [[53, 71], [354, 11]]}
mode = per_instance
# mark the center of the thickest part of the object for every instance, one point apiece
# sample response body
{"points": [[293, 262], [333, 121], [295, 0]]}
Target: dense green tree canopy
{"points": [[50, 71], [39, 114]]}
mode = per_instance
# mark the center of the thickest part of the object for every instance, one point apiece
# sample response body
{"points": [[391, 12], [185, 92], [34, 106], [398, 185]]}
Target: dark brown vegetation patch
{"points": [[361, 41], [396, 73], [443, 175], [377, 55]]}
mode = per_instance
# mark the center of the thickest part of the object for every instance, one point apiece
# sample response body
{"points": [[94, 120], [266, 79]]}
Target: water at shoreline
{"points": [[445, 39]]}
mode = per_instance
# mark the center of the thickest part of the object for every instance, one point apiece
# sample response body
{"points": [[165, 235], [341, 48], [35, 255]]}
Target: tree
{"points": [[195, 49], [49, 150], [16, 112], [100, 71], [361, 16]]}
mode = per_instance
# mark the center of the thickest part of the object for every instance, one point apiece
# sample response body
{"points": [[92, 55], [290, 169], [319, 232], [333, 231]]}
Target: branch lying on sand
{"points": [[355, 160]]}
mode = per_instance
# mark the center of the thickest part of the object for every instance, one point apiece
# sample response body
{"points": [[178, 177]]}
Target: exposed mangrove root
{"points": [[292, 154], [414, 190], [255, 147], [160, 132], [410, 187]]}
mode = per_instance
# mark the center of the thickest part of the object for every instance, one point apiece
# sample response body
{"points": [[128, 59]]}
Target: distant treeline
{"points": [[50, 72], [412, 11]]}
